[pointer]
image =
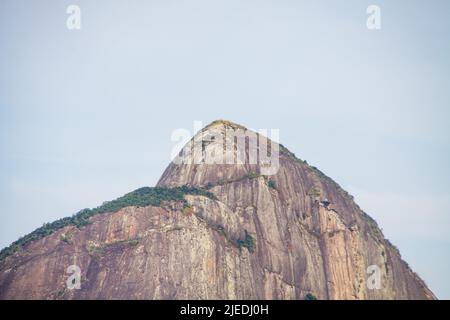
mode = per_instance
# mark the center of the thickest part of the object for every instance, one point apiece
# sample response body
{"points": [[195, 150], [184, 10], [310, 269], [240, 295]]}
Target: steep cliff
{"points": [[246, 235]]}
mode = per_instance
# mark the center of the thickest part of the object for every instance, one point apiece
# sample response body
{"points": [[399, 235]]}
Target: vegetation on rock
{"points": [[248, 242], [142, 197], [310, 296], [272, 184]]}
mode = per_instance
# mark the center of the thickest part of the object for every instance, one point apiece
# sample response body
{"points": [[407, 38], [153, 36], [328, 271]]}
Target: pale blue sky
{"points": [[86, 116]]}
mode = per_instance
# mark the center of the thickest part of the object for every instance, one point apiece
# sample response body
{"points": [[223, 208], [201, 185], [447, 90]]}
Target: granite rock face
{"points": [[280, 236]]}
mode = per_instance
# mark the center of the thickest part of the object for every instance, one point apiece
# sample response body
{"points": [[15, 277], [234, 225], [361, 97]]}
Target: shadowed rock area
{"points": [[283, 236]]}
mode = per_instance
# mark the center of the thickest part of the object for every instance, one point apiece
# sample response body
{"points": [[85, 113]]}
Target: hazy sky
{"points": [[86, 115]]}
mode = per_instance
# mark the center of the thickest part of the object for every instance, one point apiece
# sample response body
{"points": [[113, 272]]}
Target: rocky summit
{"points": [[215, 231]]}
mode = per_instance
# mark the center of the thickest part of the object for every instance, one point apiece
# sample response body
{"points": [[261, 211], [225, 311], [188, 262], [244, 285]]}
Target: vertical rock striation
{"points": [[281, 236]]}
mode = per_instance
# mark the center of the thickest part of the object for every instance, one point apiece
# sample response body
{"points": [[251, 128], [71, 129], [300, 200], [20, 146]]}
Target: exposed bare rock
{"points": [[262, 237]]}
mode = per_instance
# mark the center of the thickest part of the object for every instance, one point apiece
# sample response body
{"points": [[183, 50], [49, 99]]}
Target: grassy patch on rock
{"points": [[142, 197]]}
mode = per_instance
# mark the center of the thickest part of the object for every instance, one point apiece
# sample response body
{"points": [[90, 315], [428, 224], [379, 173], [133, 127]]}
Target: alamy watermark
{"points": [[374, 19], [374, 279], [227, 144], [74, 280], [73, 21]]}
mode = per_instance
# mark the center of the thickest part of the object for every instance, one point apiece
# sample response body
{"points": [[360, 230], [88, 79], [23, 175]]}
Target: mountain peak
{"points": [[226, 123], [219, 231], [223, 150]]}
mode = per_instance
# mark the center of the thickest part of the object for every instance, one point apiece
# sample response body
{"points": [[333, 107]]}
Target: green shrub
{"points": [[142, 197], [248, 242], [314, 192], [272, 184], [310, 296], [253, 175]]}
